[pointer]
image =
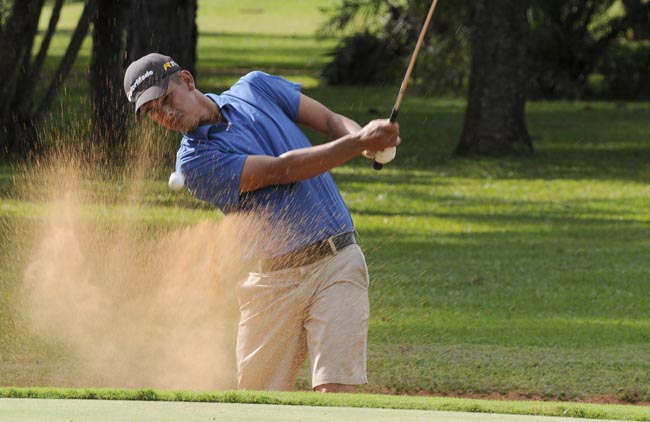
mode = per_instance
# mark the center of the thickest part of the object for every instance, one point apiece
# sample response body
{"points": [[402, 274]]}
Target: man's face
{"points": [[177, 109]]}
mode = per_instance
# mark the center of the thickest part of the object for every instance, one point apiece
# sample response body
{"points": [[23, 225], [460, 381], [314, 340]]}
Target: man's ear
{"points": [[187, 79]]}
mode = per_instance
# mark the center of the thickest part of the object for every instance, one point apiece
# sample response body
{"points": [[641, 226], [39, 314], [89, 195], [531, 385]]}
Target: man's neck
{"points": [[212, 112]]}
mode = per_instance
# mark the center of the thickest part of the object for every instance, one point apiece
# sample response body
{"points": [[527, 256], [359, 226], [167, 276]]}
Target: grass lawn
{"points": [[16, 410], [132, 405], [513, 277]]}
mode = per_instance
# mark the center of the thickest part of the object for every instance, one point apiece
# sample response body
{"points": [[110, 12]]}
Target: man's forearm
{"points": [[263, 170], [303, 163], [298, 164], [340, 126]]}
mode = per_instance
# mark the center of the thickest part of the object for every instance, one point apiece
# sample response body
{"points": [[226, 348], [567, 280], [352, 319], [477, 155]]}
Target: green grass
{"points": [[277, 37], [505, 275], [526, 276], [563, 409]]}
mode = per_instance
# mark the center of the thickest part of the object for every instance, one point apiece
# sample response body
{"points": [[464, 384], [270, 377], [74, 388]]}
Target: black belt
{"points": [[309, 254]]}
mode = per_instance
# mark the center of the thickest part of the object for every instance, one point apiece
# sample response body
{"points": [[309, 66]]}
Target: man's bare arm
{"points": [[349, 141], [318, 117]]}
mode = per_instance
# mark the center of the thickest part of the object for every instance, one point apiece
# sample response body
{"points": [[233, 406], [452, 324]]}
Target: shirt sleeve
{"points": [[212, 175], [281, 92]]}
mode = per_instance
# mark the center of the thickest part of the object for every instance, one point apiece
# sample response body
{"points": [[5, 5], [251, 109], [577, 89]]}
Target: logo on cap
{"points": [[137, 83], [169, 65]]}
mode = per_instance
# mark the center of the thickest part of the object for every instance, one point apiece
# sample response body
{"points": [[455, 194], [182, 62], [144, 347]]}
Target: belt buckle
{"points": [[332, 245]]}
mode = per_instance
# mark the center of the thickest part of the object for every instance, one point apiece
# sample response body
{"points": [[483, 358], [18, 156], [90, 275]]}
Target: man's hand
{"points": [[378, 135]]}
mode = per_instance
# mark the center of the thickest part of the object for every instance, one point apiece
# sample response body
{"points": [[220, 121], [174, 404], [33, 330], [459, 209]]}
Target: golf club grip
{"points": [[392, 119], [393, 115]]}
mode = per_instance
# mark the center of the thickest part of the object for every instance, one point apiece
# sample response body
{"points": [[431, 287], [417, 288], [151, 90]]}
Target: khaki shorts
{"points": [[320, 309]]}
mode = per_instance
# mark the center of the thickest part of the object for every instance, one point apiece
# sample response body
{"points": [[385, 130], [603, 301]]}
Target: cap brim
{"points": [[151, 94]]}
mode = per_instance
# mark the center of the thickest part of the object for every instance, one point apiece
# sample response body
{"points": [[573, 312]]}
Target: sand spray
{"points": [[137, 305]]}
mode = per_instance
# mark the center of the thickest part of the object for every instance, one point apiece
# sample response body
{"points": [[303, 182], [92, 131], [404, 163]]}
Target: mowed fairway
{"points": [[43, 410]]}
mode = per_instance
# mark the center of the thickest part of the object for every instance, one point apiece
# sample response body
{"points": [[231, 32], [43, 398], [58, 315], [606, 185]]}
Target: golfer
{"points": [[243, 151]]}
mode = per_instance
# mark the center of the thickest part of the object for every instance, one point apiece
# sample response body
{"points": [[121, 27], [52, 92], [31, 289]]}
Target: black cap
{"points": [[148, 77]]}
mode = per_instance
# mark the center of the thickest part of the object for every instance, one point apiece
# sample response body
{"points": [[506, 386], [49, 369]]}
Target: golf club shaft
{"points": [[405, 81]]}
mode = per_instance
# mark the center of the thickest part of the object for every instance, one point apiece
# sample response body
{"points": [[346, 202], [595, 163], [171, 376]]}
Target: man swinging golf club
{"points": [[243, 151]]}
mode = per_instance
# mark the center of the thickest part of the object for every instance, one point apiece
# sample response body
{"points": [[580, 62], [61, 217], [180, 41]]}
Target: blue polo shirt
{"points": [[260, 110]]}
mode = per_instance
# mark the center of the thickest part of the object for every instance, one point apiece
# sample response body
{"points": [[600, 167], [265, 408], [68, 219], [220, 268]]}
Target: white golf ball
{"points": [[176, 181]]}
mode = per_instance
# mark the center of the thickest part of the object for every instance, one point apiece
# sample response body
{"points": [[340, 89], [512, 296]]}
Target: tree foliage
{"points": [[569, 42], [381, 35], [625, 70], [567, 39], [638, 15]]}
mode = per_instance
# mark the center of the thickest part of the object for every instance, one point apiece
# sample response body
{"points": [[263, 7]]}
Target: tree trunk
{"points": [[16, 44], [494, 119], [166, 27], [78, 36], [109, 105], [20, 114], [29, 80]]}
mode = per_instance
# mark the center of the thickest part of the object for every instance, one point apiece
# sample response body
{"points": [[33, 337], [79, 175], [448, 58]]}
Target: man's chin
{"points": [[181, 128], [187, 128]]}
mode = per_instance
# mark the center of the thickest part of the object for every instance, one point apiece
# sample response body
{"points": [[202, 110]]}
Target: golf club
{"points": [[386, 155]]}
